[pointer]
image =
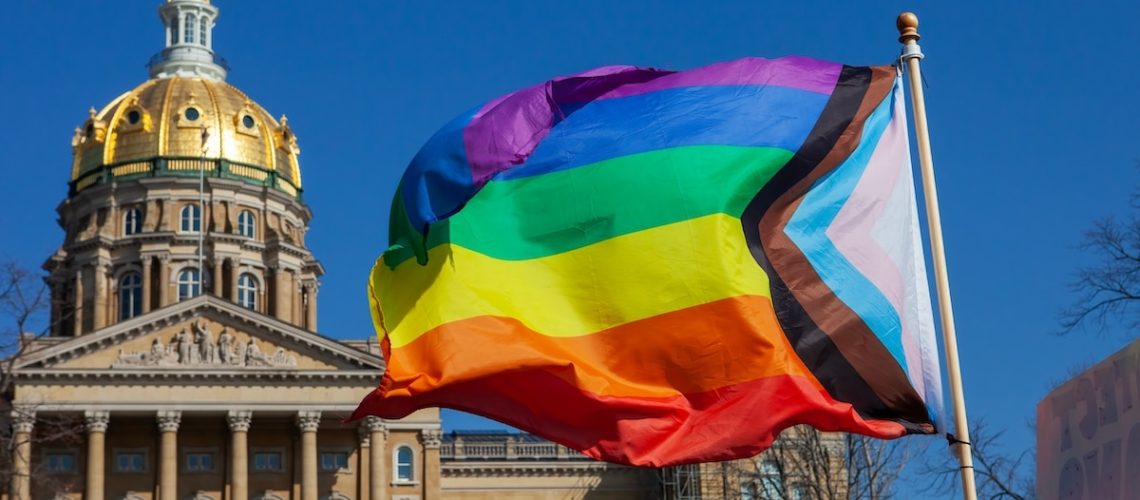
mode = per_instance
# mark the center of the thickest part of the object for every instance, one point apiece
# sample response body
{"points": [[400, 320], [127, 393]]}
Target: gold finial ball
{"points": [[907, 24]]}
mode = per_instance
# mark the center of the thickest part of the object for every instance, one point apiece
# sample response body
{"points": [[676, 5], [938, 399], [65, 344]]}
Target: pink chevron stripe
{"points": [[858, 235]]}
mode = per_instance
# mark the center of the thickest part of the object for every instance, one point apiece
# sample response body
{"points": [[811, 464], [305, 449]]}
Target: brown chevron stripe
{"points": [[831, 339]]}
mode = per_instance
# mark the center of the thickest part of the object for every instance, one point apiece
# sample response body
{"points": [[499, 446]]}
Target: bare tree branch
{"points": [[1108, 290], [999, 477]]}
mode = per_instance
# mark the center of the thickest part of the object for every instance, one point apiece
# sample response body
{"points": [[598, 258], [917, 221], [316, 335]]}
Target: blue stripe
{"points": [[438, 182], [744, 115], [807, 229]]}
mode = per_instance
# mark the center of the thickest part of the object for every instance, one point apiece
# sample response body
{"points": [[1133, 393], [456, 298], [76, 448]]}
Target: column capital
{"points": [[96, 421], [308, 421], [365, 437], [168, 420], [375, 424], [239, 420], [431, 438], [23, 419]]}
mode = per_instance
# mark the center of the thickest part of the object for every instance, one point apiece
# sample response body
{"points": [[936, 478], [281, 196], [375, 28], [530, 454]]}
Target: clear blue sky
{"points": [[1032, 108]]}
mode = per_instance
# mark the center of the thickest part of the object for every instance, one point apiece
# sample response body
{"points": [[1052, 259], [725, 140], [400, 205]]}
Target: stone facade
{"points": [[183, 360]]}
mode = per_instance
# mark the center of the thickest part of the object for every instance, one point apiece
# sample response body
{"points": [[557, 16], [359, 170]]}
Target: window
{"points": [[130, 296], [245, 224], [771, 485], [130, 461], [191, 114], [134, 116], [189, 284], [59, 462], [191, 219], [268, 461], [202, 33], [247, 292], [188, 28], [132, 220], [404, 470], [334, 461], [199, 461], [247, 121]]}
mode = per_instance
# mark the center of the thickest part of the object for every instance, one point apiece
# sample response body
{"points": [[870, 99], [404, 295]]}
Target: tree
{"points": [[804, 463], [24, 303], [999, 477], [1109, 288]]}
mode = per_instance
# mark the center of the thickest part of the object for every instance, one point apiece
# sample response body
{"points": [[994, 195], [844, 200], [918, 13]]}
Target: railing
{"points": [[508, 448], [184, 167]]}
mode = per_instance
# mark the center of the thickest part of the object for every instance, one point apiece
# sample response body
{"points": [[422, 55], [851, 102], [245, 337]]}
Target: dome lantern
{"points": [[189, 41]]}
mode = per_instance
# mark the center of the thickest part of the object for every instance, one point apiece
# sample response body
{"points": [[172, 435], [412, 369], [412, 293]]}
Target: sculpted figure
{"points": [[185, 346], [157, 351], [226, 347], [207, 349]]}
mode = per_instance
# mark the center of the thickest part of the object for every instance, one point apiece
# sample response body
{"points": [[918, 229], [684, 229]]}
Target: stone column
{"points": [[379, 432], [99, 301], [217, 277], [311, 307], [80, 311], [363, 458], [147, 288], [168, 421], [308, 422], [96, 438], [431, 439], [282, 300], [163, 281], [23, 423], [239, 454]]}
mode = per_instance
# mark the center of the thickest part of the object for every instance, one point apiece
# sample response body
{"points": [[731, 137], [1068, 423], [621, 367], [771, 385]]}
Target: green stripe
{"points": [[553, 213]]}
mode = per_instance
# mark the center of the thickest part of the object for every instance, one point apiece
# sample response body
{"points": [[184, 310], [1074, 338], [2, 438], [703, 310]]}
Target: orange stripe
{"points": [[697, 349]]}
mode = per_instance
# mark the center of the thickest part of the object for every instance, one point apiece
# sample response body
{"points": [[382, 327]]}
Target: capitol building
{"points": [[184, 351]]}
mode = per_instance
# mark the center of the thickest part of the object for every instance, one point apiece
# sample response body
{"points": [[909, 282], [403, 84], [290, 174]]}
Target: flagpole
{"points": [[907, 24]]}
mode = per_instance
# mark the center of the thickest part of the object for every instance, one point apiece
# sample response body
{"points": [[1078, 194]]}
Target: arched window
{"points": [[130, 296], [132, 222], [245, 224], [189, 284], [191, 219], [188, 28], [405, 470], [202, 32], [247, 292]]}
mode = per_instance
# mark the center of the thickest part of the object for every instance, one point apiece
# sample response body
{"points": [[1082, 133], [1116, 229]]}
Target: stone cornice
{"points": [[195, 376], [205, 305], [524, 468]]}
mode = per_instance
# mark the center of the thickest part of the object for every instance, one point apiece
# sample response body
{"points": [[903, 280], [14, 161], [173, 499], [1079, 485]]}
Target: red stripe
{"points": [[736, 421]]}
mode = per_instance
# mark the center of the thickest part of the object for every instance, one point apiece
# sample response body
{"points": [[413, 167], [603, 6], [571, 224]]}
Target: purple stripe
{"points": [[801, 73], [508, 129]]}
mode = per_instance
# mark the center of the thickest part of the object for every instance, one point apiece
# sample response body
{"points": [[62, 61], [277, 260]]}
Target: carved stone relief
{"points": [[196, 346]]}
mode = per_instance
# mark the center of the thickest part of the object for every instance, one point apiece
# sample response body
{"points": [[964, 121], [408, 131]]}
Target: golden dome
{"points": [[158, 128]]}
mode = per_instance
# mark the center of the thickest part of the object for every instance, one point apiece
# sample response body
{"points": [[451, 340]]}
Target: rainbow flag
{"points": [[658, 267]]}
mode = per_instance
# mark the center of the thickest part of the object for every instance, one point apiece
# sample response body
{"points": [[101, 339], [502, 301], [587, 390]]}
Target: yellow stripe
{"points": [[583, 291]]}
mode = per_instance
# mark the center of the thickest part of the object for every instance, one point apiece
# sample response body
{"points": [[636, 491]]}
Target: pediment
{"points": [[203, 334]]}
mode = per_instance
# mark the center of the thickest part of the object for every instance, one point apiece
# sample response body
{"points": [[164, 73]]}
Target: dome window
{"points": [[189, 284], [191, 219], [247, 292], [191, 114], [247, 121], [130, 296], [90, 131], [133, 117], [245, 224], [132, 222]]}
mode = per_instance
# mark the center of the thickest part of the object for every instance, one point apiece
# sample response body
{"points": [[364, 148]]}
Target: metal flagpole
{"points": [[202, 212], [911, 55]]}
